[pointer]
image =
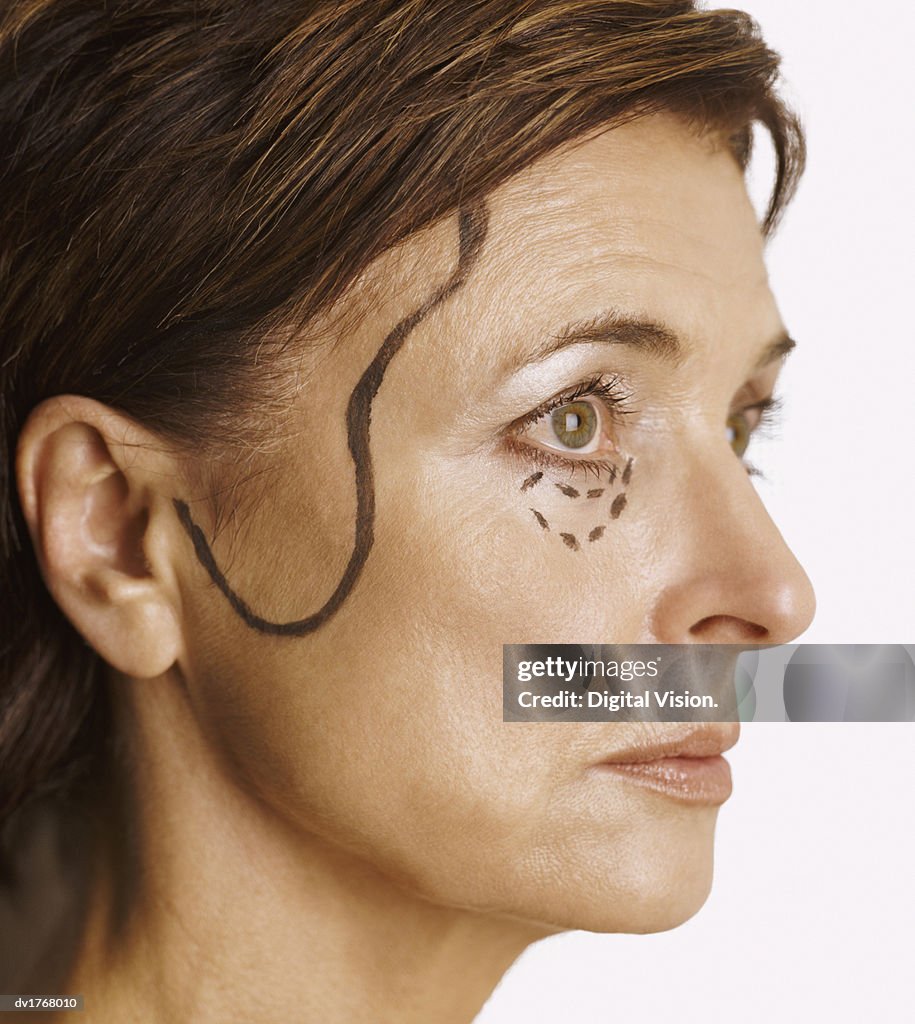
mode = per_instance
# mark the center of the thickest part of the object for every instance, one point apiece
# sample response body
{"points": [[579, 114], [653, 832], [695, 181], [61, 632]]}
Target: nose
{"points": [[735, 579]]}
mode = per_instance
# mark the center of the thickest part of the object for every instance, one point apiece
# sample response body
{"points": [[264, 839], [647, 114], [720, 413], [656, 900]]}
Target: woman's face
{"points": [[555, 453]]}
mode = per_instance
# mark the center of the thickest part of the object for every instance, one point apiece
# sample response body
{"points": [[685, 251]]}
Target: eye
{"points": [[574, 429]]}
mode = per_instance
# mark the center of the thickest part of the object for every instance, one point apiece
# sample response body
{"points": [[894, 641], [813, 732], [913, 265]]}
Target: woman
{"points": [[342, 346]]}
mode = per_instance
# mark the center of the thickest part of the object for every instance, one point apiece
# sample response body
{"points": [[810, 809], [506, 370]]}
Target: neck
{"points": [[208, 906]]}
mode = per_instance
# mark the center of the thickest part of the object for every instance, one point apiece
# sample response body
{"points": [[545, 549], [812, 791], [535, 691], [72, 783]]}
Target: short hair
{"points": [[177, 180]]}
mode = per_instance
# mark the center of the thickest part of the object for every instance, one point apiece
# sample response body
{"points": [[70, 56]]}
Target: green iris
{"points": [[574, 424], [738, 431]]}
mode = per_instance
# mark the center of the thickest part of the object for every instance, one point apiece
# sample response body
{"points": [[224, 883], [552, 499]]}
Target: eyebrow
{"points": [[652, 337]]}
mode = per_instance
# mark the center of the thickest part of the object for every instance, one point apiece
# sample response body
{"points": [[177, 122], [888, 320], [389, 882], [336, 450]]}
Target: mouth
{"points": [[687, 766]]}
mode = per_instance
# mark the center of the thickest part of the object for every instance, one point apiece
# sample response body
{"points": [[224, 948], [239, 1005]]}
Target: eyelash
{"points": [[608, 390], [768, 409]]}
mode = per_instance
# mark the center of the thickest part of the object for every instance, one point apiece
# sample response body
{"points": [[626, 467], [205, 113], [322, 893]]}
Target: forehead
{"points": [[648, 219]]}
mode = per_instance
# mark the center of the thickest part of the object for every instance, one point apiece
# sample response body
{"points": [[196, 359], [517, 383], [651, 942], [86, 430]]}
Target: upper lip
{"points": [[694, 741]]}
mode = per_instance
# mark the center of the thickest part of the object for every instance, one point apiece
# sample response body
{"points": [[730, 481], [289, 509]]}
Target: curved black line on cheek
{"points": [[473, 223]]}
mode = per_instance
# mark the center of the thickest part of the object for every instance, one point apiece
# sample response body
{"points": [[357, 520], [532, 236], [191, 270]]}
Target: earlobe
{"points": [[84, 482]]}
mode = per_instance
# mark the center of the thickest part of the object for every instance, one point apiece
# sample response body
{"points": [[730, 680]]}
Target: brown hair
{"points": [[179, 179]]}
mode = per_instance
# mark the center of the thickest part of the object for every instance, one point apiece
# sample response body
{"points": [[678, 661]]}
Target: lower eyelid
{"points": [[597, 461], [546, 459]]}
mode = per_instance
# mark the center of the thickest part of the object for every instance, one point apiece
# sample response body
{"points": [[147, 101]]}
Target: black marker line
{"points": [[473, 223], [627, 473], [596, 533], [570, 542], [533, 479], [540, 519], [595, 492]]}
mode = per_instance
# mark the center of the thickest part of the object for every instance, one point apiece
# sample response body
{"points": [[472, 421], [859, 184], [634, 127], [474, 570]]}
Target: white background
{"points": [[812, 915]]}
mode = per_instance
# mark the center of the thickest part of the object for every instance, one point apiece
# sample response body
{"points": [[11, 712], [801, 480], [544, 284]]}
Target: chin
{"points": [[650, 880]]}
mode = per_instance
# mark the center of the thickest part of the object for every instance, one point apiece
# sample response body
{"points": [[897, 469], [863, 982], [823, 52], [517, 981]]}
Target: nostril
{"points": [[728, 629]]}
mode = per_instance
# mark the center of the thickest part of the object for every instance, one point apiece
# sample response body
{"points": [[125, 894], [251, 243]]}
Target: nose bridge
{"points": [[736, 578]]}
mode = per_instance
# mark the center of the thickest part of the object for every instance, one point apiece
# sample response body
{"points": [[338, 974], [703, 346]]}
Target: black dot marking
{"points": [[595, 492], [619, 503], [533, 479], [570, 542], [596, 533], [627, 473], [568, 491], [540, 519], [612, 472]]}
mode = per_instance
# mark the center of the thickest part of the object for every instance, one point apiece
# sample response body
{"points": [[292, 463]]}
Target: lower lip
{"points": [[694, 780]]}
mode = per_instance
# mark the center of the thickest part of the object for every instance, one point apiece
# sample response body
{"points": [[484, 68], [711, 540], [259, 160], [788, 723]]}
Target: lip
{"points": [[687, 767]]}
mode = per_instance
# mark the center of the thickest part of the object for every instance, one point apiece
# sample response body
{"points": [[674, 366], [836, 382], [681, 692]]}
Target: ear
{"points": [[89, 483]]}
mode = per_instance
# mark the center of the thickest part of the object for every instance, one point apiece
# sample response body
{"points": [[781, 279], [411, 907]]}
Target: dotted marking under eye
{"points": [[595, 492], [619, 503], [596, 533], [570, 542], [540, 519], [612, 472], [568, 491], [627, 473], [531, 481]]}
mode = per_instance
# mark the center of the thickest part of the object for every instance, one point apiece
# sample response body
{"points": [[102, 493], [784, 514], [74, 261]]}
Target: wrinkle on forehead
{"points": [[640, 204], [648, 217]]}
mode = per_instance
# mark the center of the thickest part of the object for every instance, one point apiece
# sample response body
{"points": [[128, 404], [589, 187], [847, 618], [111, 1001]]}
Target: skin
{"points": [[350, 799]]}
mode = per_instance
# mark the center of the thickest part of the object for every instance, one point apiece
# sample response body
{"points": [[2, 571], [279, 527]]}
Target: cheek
{"points": [[389, 751], [496, 553], [397, 754]]}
